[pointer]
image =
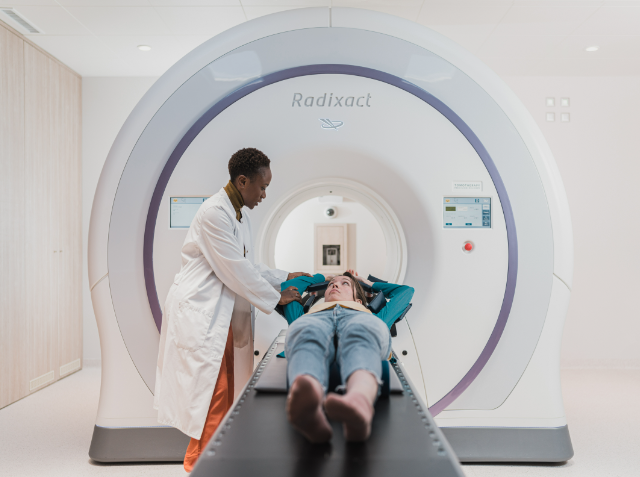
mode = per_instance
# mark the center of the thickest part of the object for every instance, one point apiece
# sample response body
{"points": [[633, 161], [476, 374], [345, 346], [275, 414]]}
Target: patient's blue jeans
{"points": [[364, 342]]}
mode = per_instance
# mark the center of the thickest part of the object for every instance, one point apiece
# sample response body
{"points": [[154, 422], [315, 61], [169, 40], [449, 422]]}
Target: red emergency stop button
{"points": [[468, 247]]}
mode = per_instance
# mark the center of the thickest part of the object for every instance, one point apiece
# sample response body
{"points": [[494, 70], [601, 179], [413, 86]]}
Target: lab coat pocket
{"points": [[191, 326]]}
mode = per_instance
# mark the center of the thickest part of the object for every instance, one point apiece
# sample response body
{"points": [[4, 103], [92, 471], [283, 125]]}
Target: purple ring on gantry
{"points": [[324, 69]]}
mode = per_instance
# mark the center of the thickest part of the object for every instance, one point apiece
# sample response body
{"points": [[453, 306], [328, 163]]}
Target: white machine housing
{"points": [[419, 117]]}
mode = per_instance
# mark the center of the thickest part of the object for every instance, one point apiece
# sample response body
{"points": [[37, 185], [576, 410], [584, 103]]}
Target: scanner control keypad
{"points": [[467, 212]]}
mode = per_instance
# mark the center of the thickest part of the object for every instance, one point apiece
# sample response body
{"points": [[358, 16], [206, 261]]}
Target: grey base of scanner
{"points": [[255, 437]]}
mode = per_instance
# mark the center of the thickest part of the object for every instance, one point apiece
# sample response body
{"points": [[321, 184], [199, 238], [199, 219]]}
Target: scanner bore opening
{"points": [[330, 234], [392, 231]]}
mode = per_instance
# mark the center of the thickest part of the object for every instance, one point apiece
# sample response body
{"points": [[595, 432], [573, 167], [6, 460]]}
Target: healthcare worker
{"points": [[208, 309]]}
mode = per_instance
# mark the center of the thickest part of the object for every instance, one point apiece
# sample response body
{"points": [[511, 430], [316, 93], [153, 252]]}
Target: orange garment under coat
{"points": [[221, 402]]}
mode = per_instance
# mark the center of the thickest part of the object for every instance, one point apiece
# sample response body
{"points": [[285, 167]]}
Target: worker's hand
{"points": [[328, 278], [293, 275], [289, 295]]}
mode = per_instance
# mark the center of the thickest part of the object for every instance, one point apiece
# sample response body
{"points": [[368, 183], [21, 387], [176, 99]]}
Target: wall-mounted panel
{"points": [[70, 225], [13, 329], [331, 248], [41, 237]]}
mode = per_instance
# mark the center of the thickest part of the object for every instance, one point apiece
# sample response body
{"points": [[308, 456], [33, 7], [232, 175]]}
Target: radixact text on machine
{"points": [[331, 101]]}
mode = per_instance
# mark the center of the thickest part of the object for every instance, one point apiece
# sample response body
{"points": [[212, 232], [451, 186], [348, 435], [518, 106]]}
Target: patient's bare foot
{"points": [[354, 410], [304, 410]]}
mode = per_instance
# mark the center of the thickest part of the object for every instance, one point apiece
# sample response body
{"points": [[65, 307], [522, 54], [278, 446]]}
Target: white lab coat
{"points": [[217, 270]]}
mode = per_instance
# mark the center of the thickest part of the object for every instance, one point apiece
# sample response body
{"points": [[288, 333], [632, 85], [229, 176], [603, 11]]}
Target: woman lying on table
{"points": [[363, 341]]}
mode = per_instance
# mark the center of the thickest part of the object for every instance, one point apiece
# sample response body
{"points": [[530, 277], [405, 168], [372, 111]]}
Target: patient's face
{"points": [[340, 289]]}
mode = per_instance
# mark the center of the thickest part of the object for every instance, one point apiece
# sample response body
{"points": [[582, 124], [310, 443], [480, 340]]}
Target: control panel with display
{"points": [[467, 212], [182, 210]]}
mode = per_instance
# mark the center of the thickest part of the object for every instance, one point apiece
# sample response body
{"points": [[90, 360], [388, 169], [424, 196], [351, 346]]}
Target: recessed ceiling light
{"points": [[144, 47], [591, 48]]}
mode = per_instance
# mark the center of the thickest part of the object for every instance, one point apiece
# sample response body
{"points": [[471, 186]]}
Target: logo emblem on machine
{"points": [[331, 124]]}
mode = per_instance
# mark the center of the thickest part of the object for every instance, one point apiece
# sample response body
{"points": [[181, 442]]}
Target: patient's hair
{"points": [[247, 162], [357, 289]]}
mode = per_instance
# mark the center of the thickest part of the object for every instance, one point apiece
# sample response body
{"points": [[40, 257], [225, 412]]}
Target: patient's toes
{"points": [[354, 411], [304, 410]]}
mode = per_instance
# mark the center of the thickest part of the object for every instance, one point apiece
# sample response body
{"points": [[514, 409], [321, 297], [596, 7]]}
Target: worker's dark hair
{"points": [[358, 291], [247, 162]]}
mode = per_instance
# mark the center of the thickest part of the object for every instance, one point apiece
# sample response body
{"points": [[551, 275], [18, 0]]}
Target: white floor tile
{"points": [[49, 432]]}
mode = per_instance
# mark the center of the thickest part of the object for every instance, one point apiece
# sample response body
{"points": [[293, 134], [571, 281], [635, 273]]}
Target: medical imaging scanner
{"points": [[393, 115]]}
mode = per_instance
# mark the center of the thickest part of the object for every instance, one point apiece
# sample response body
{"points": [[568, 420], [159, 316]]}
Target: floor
{"points": [[48, 433]]}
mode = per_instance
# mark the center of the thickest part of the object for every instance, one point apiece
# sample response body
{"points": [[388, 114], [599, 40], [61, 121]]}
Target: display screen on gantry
{"points": [[467, 212], [182, 210]]}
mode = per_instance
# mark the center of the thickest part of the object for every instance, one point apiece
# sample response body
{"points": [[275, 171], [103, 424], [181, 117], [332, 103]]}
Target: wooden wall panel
{"points": [[56, 143], [13, 323], [41, 227], [41, 237], [70, 224]]}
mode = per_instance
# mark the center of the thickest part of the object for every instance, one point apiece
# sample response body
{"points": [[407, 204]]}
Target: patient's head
{"points": [[345, 288]]}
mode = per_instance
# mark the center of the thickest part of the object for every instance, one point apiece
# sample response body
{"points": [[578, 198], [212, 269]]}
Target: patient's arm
{"points": [[399, 297], [294, 310]]}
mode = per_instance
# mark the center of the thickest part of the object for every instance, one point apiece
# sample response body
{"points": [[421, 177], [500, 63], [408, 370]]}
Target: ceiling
{"points": [[514, 37]]}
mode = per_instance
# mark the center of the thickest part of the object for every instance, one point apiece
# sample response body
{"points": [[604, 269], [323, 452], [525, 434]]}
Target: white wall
{"points": [[106, 103], [294, 243], [598, 156]]}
